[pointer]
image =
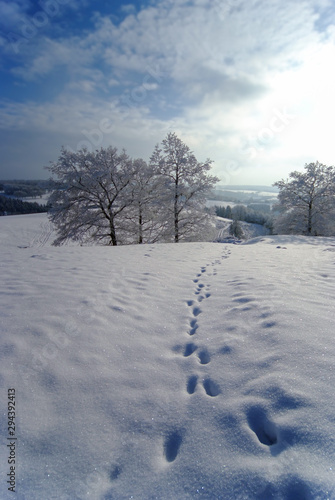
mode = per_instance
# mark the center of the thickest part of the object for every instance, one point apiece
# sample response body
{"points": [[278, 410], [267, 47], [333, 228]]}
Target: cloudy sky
{"points": [[247, 83]]}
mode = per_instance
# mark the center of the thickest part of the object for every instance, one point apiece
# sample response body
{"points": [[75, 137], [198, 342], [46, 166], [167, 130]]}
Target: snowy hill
{"points": [[198, 370]]}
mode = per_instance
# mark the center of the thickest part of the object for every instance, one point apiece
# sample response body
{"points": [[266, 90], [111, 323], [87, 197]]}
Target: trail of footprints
{"points": [[265, 430], [202, 292], [174, 439]]}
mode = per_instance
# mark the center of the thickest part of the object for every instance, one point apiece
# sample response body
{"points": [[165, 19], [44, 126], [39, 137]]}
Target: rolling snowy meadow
{"points": [[167, 371]]}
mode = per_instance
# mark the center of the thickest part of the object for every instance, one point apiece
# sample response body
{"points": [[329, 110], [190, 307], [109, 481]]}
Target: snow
{"points": [[197, 370]]}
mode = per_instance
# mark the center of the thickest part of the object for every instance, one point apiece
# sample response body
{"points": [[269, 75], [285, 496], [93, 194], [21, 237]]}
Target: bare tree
{"points": [[306, 201], [186, 184], [95, 193]]}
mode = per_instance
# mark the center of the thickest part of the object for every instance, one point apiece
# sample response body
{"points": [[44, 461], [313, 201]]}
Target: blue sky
{"points": [[248, 84]]}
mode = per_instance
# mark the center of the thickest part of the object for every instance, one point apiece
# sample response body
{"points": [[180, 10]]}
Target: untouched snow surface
{"points": [[199, 370]]}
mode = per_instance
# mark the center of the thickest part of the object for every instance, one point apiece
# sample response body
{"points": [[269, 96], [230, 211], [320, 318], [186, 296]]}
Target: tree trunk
{"points": [[309, 221], [112, 233], [140, 225], [176, 215], [176, 220]]}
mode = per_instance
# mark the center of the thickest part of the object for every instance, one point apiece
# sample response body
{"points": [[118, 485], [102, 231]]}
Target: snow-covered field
{"points": [[198, 370]]}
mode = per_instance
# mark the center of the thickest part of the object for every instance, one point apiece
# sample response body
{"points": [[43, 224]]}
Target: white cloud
{"points": [[217, 75], [11, 13]]}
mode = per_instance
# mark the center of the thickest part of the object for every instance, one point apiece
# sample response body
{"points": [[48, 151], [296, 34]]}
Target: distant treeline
{"points": [[247, 214], [13, 206], [26, 189]]}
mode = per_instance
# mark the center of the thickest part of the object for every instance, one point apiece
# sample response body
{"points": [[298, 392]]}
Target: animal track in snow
{"points": [[192, 384], [196, 311], [265, 430], [172, 445], [194, 326], [189, 349], [212, 389], [199, 288], [204, 357], [115, 472]]}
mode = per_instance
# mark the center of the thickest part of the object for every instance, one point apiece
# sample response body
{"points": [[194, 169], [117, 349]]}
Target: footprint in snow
{"points": [[196, 311], [192, 384], [172, 444], [194, 326], [115, 472], [212, 389], [199, 288], [189, 349], [204, 357], [265, 430]]}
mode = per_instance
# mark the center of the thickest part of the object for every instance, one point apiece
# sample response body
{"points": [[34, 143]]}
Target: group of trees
{"points": [[109, 198], [242, 213], [13, 206], [25, 189], [306, 205], [106, 197], [307, 202]]}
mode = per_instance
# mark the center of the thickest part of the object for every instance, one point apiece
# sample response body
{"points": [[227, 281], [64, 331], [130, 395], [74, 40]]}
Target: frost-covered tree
{"points": [[186, 185], [307, 201], [220, 211], [145, 217], [239, 212], [229, 213], [235, 229], [94, 195]]}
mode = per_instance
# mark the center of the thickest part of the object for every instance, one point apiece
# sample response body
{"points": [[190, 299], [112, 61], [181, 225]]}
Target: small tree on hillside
{"points": [[235, 229], [94, 196], [186, 183], [307, 201]]}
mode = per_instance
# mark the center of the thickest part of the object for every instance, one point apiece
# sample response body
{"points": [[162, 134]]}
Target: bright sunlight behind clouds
{"points": [[248, 84]]}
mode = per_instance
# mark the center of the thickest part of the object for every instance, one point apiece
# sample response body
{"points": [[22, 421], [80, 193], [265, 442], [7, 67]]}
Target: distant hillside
{"points": [[14, 206], [247, 187]]}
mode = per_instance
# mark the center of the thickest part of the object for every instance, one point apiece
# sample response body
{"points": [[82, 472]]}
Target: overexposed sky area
{"points": [[248, 84]]}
